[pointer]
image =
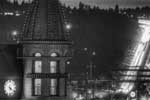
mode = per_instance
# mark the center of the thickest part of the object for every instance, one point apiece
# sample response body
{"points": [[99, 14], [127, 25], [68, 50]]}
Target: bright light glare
{"points": [[68, 62], [74, 94], [68, 26], [144, 98], [138, 56], [20, 1], [14, 33], [146, 33], [133, 94], [90, 91], [101, 94], [85, 49], [93, 53], [8, 13], [81, 97]]}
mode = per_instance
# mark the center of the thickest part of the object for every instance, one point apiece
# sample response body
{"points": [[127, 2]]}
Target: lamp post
{"points": [[89, 53], [91, 67], [68, 26], [15, 36]]}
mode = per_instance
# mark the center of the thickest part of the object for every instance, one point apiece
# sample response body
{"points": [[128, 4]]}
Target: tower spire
{"points": [[44, 21]]}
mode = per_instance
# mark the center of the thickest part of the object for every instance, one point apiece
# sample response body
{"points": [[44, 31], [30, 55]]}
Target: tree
{"points": [[117, 8], [81, 6]]}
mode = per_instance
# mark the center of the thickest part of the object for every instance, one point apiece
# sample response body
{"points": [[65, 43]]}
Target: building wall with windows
{"points": [[44, 70]]}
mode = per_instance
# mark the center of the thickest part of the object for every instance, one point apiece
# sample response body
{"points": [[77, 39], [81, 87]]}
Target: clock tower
{"points": [[46, 47]]}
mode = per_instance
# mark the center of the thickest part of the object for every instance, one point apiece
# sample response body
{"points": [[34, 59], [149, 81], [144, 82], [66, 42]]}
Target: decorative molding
{"points": [[46, 75]]}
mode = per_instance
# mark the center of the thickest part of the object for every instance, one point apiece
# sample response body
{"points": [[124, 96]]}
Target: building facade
{"points": [[46, 48]]}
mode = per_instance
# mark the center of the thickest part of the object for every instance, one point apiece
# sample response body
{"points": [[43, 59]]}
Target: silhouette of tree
{"points": [[117, 8], [81, 6]]}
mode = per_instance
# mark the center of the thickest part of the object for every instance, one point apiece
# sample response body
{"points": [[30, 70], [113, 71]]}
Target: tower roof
{"points": [[44, 21]]}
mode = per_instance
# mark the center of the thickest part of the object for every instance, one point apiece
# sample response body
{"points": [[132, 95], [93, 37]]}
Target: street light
{"points": [[89, 91], [14, 34], [68, 62], [91, 66], [85, 49], [93, 53], [74, 94], [68, 26]]}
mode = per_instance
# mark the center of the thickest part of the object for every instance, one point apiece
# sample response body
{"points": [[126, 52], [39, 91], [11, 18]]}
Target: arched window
{"points": [[37, 55], [53, 64], [37, 64], [53, 55], [53, 70], [37, 69]]}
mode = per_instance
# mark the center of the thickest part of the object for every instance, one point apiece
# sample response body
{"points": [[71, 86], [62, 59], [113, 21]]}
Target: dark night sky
{"points": [[8, 66], [108, 35], [102, 38]]}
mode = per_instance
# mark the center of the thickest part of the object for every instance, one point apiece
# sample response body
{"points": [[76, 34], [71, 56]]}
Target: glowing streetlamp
{"points": [[15, 36], [68, 62], [93, 53], [89, 91], [14, 33], [68, 26], [85, 49], [74, 95]]}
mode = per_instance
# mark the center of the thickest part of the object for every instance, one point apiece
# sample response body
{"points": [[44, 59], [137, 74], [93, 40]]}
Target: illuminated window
{"points": [[37, 69], [53, 55], [38, 64], [37, 89], [53, 64], [53, 69], [53, 86], [37, 55]]}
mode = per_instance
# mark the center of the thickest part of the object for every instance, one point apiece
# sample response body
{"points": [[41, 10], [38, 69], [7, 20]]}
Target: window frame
{"points": [[57, 63], [33, 71], [34, 86], [56, 87], [54, 54], [33, 63]]}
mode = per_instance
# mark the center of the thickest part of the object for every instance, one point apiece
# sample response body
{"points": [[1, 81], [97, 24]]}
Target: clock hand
{"points": [[10, 88]]}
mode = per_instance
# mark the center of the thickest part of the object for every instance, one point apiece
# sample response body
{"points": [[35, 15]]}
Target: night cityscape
{"points": [[74, 50]]}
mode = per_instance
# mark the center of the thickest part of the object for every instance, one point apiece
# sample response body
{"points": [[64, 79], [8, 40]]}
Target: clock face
{"points": [[10, 87], [132, 94]]}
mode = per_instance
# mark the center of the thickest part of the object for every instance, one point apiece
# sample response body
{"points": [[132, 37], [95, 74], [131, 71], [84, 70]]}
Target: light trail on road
{"points": [[140, 55]]}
